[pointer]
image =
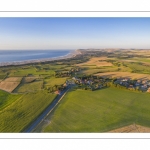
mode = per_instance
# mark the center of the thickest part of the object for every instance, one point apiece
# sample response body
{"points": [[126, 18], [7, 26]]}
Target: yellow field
{"points": [[124, 75], [13, 79], [97, 61], [10, 84], [131, 129]]}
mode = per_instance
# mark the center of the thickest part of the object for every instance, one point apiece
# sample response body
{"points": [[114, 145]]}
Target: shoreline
{"points": [[24, 62]]}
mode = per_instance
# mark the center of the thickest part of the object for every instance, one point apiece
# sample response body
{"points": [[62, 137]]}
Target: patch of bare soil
{"points": [[9, 84], [133, 128]]}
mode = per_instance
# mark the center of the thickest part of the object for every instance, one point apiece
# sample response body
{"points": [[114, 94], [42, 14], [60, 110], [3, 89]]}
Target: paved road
{"points": [[47, 110]]}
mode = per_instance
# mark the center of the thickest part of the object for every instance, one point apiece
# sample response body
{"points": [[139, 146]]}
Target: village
{"points": [[96, 82], [93, 82]]}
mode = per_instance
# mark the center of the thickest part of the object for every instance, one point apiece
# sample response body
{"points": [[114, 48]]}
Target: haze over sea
{"points": [[24, 55]]}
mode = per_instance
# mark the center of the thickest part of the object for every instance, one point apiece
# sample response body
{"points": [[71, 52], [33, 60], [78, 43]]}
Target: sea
{"points": [[27, 55]]}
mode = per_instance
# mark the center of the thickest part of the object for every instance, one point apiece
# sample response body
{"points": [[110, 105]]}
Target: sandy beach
{"points": [[70, 55]]}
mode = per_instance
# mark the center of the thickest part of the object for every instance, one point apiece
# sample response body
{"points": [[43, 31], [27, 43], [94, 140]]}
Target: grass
{"points": [[23, 111], [93, 71], [28, 79], [97, 61], [54, 81], [31, 70], [2, 76], [100, 111], [29, 87], [6, 99], [125, 75]]}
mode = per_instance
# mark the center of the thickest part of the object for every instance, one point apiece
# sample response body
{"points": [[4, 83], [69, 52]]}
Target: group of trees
{"points": [[69, 73], [55, 88]]}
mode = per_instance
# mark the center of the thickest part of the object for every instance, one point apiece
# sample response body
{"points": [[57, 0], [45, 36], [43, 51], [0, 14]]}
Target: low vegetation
{"points": [[6, 99], [100, 111], [23, 111], [9, 84], [105, 106]]}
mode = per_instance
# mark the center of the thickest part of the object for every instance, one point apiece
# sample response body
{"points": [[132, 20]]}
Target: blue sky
{"points": [[74, 33]]}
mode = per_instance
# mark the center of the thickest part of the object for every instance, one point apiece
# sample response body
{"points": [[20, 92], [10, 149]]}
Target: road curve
{"points": [[46, 112]]}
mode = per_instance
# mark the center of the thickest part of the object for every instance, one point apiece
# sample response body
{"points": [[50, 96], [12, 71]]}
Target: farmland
{"points": [[96, 61], [133, 128], [98, 103], [29, 87], [84, 111], [124, 75], [6, 99], [23, 111], [9, 84]]}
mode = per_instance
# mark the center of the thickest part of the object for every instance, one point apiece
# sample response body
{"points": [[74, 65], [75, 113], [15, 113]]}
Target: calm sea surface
{"points": [[22, 55]]}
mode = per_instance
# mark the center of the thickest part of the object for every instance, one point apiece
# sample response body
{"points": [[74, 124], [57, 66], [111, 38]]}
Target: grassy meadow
{"points": [[7, 98], [54, 81], [29, 87], [100, 111]]}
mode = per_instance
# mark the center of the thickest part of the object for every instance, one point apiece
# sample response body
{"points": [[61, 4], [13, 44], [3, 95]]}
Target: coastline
{"points": [[70, 55]]}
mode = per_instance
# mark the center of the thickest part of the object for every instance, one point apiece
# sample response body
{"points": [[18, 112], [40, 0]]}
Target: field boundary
{"points": [[43, 115]]}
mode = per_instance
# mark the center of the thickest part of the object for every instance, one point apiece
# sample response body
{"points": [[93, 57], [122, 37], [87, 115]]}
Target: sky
{"points": [[74, 33]]}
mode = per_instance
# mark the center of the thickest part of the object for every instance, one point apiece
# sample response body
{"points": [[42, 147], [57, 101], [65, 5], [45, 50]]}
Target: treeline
{"points": [[71, 72]]}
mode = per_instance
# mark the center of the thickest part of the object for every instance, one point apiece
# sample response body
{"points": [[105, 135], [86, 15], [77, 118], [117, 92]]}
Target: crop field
{"points": [[31, 71], [133, 128], [2, 76], [124, 75], [7, 98], [9, 84], [13, 79], [54, 81], [96, 70], [97, 61], [29, 87], [23, 111], [28, 79], [100, 111]]}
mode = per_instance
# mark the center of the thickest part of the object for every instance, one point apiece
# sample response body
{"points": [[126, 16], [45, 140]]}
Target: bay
{"points": [[25, 55]]}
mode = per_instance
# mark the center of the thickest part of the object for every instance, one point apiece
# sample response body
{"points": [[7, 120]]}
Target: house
{"points": [[144, 81], [58, 92], [144, 86], [131, 87], [138, 81], [148, 90], [65, 85]]}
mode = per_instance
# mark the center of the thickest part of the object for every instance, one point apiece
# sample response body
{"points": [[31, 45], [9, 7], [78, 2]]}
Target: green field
{"points": [[31, 70], [29, 87], [6, 99], [23, 111], [100, 111], [2, 76], [54, 81]]}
